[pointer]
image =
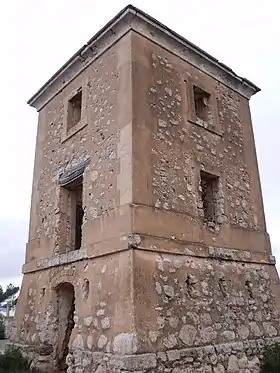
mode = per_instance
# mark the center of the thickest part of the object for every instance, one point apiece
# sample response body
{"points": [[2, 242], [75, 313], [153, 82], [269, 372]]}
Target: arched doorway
{"points": [[65, 305]]}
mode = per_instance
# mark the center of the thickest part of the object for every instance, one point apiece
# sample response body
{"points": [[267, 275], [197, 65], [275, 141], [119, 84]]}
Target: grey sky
{"points": [[37, 37]]}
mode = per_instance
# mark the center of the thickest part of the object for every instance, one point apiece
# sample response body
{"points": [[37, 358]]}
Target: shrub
{"points": [[270, 362], [12, 361], [2, 330]]}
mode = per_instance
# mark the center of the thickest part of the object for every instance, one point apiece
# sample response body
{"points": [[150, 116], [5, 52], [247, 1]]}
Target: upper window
{"points": [[75, 114], [209, 189], [74, 109], [202, 106]]}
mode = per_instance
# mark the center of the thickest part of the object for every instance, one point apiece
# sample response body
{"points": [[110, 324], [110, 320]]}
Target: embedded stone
{"points": [[243, 331], [105, 323], [153, 335], [158, 288], [95, 322], [206, 319], [233, 364], [228, 335], [188, 334], [208, 334], [170, 341], [78, 342], [108, 347], [133, 240], [88, 320], [101, 369], [255, 329], [243, 362], [270, 329], [168, 290], [219, 369], [89, 342], [173, 322], [102, 341], [160, 322], [162, 356], [168, 91], [173, 355], [100, 312], [162, 123], [125, 343], [254, 363]]}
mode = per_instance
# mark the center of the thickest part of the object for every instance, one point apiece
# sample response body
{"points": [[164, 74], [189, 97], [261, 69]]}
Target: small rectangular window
{"points": [[201, 103], [209, 188], [74, 109]]}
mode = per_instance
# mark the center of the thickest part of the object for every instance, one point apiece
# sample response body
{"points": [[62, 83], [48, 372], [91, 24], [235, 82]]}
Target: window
{"points": [[75, 213], [78, 214], [209, 189], [201, 103], [74, 109]]}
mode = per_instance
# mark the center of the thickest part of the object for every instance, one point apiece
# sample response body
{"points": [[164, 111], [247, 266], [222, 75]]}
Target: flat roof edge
{"points": [[195, 48], [128, 13], [78, 54]]}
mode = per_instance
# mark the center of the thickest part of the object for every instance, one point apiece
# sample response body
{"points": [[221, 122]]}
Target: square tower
{"points": [[147, 248]]}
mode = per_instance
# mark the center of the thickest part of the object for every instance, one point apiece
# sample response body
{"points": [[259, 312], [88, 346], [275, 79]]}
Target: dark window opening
{"points": [[75, 213], [209, 188], [74, 109], [201, 103], [78, 224]]}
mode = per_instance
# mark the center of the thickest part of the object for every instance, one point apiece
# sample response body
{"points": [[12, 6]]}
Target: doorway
{"points": [[65, 296]]}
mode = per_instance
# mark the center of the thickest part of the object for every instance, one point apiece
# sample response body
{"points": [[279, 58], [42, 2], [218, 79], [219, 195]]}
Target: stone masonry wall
{"points": [[104, 116], [181, 148], [99, 309], [102, 286], [187, 300], [192, 302]]}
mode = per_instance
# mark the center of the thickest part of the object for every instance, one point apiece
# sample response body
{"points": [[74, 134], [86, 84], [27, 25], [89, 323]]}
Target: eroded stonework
{"points": [[173, 270]]}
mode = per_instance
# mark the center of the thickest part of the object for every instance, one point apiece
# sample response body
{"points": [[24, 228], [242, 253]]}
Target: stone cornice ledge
{"points": [[134, 241], [131, 18]]}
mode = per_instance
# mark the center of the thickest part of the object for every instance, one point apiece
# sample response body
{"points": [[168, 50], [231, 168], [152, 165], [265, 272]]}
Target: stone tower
{"points": [[147, 249]]}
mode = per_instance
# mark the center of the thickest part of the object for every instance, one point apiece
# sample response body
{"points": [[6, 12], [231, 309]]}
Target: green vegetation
{"points": [[8, 298], [271, 358], [9, 293], [2, 329], [12, 361]]}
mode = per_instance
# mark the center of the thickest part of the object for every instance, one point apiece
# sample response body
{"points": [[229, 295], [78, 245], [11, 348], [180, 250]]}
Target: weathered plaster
{"points": [[157, 287]]}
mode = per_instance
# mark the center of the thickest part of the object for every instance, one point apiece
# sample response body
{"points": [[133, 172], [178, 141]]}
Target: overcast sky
{"points": [[37, 37]]}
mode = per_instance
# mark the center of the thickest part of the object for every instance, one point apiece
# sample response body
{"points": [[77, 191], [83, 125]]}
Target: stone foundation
{"points": [[237, 357]]}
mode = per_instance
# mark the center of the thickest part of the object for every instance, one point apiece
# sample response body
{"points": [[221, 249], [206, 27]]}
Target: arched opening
{"points": [[65, 298]]}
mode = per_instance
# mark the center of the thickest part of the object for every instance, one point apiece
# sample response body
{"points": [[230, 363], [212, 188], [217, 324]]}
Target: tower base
{"points": [[236, 357]]}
